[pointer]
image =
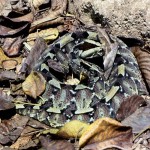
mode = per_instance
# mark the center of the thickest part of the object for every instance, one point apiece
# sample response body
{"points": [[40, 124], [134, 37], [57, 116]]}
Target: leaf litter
{"points": [[24, 37]]}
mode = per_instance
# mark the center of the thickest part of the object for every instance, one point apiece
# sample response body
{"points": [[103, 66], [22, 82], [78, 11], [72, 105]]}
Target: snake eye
{"points": [[74, 36], [120, 76], [85, 34], [57, 45]]}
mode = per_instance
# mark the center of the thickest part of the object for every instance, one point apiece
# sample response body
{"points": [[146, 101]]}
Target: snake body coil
{"points": [[101, 88]]}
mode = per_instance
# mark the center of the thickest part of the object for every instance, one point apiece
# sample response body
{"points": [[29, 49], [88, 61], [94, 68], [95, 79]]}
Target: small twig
{"points": [[147, 128]]}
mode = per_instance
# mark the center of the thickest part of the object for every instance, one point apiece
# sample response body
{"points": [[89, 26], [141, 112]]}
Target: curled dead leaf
{"points": [[3, 5], [3, 57], [12, 46], [36, 51], [72, 129], [143, 59], [139, 120], [37, 3], [5, 101], [7, 30], [129, 106], [56, 144], [12, 128], [122, 142], [34, 84], [9, 64], [10, 6], [25, 140], [10, 75], [105, 129], [53, 17], [47, 34]]}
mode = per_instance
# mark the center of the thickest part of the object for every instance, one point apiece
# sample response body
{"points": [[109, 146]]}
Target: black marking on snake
{"points": [[86, 101]]}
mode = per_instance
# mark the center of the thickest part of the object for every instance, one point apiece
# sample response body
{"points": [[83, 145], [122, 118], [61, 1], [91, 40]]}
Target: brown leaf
{"points": [[47, 34], [46, 21], [16, 88], [10, 75], [20, 6], [6, 31], [123, 142], [57, 4], [58, 67], [34, 84], [70, 24], [12, 46], [34, 55], [5, 101], [25, 140], [36, 124], [11, 129], [36, 3], [9, 64], [5, 7], [143, 59], [13, 26], [139, 120], [3, 57], [129, 106], [105, 129], [55, 144], [13, 6], [72, 129], [53, 17]]}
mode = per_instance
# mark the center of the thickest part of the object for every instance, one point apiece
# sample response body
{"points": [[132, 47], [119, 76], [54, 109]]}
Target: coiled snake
{"points": [[105, 79]]}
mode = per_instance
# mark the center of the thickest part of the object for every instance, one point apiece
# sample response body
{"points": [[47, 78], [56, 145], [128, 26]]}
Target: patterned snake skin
{"points": [[102, 87]]}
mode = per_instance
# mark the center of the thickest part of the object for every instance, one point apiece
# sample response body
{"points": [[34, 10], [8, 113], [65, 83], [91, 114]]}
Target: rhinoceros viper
{"points": [[104, 80]]}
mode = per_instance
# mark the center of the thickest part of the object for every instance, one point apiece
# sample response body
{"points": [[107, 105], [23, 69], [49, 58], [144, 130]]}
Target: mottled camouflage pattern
{"points": [[95, 98]]}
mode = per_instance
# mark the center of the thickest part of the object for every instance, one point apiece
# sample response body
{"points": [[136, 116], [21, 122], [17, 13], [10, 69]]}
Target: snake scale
{"points": [[104, 80]]}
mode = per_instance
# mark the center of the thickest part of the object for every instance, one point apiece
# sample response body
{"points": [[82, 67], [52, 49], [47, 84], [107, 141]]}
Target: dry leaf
{"points": [[10, 75], [36, 3], [129, 106], [55, 144], [58, 8], [143, 59], [3, 57], [16, 88], [123, 142], [47, 34], [21, 142], [5, 101], [25, 139], [37, 125], [14, 26], [34, 84], [9, 64], [73, 129], [20, 6], [34, 55], [104, 129], [12, 46], [10, 6], [5, 7], [23, 19], [9, 27], [46, 21], [139, 120], [11, 129]]}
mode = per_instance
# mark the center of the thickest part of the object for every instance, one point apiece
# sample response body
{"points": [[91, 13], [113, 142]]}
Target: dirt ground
{"points": [[128, 18]]}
